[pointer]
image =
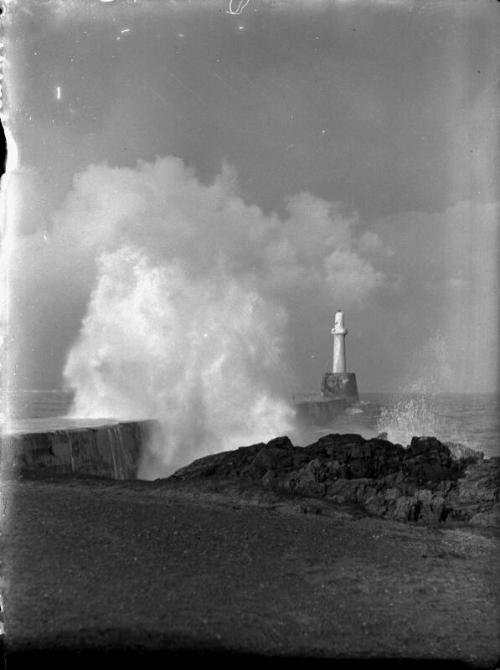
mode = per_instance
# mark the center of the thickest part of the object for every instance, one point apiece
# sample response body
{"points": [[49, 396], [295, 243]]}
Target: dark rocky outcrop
{"points": [[428, 481]]}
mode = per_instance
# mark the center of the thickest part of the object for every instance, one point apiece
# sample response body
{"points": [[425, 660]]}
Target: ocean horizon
{"points": [[471, 419]]}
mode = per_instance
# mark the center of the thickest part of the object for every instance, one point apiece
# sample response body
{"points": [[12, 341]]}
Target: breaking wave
{"points": [[202, 357], [408, 417]]}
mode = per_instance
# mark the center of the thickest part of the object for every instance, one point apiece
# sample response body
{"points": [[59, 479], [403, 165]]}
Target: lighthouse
{"points": [[339, 383], [339, 389], [339, 332]]}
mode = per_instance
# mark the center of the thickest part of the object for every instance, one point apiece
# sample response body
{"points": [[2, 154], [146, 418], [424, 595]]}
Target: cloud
{"points": [[447, 265], [163, 208]]}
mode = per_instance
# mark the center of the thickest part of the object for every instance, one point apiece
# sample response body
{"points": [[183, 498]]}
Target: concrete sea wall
{"points": [[319, 410], [110, 449]]}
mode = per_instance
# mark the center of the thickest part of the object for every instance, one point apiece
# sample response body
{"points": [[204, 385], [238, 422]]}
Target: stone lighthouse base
{"points": [[340, 385], [338, 392]]}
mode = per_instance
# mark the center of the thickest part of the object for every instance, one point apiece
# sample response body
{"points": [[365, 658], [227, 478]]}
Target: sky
{"points": [[201, 185]]}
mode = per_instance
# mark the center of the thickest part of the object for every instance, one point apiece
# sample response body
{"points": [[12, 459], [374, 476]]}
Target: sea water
{"points": [[473, 420]]}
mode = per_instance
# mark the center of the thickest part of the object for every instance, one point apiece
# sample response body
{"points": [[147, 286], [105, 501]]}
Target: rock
{"points": [[444, 487], [308, 480], [404, 509], [376, 504], [488, 518], [264, 460], [299, 459], [438, 507], [424, 496], [268, 478], [477, 492], [392, 494], [334, 468], [344, 490], [393, 479], [428, 482], [283, 442]]}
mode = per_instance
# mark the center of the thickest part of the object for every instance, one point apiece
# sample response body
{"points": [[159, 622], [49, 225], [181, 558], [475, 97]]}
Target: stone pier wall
{"points": [[110, 450], [319, 410]]}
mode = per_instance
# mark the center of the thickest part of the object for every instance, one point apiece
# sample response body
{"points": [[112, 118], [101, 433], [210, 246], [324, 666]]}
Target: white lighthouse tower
{"points": [[339, 332]]}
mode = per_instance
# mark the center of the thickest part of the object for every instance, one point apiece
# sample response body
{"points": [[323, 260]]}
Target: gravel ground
{"points": [[141, 567]]}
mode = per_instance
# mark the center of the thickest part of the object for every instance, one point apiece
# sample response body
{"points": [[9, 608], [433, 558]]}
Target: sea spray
{"points": [[409, 416], [414, 410], [202, 357]]}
